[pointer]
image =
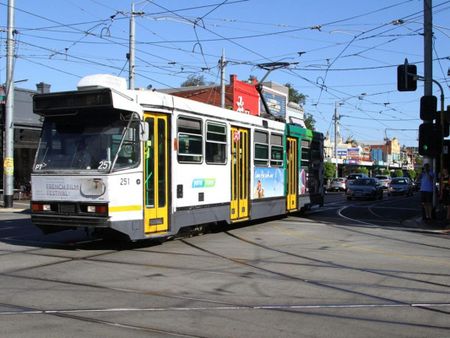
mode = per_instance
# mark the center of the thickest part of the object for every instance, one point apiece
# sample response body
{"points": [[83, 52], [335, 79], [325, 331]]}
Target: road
{"points": [[349, 269]]}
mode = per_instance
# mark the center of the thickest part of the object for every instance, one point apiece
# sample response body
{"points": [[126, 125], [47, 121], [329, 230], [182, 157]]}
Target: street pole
{"points": [[131, 50], [336, 119], [222, 80], [428, 71], [8, 154]]}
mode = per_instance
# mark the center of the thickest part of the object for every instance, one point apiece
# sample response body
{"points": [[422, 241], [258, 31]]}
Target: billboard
{"points": [[276, 101]]}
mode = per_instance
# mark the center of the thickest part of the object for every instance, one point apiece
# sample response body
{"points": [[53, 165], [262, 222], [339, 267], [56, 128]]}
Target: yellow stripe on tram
{"points": [[124, 208]]}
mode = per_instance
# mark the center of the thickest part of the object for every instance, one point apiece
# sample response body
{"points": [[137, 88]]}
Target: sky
{"points": [[342, 54]]}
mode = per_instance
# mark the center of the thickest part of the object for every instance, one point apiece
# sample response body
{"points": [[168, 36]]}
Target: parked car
{"points": [[400, 186], [366, 187], [338, 184], [355, 176], [384, 180]]}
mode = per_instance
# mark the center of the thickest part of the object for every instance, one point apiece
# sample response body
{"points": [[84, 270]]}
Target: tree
{"points": [[310, 123], [363, 170], [398, 173], [295, 95], [412, 174], [329, 170], [194, 80]]}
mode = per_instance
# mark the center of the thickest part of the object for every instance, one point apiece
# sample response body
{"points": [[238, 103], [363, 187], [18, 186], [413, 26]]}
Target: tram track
{"points": [[377, 226], [316, 283], [214, 305], [75, 315], [327, 263]]}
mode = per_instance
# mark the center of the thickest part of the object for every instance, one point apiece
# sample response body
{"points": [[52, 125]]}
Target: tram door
{"points": [[240, 158], [292, 174], [156, 171]]}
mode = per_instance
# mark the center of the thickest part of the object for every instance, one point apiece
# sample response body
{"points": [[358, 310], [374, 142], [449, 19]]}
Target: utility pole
{"points": [[8, 154], [222, 79], [131, 50], [336, 121]]}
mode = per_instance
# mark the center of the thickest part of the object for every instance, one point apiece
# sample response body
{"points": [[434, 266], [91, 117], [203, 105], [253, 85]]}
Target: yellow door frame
{"points": [[292, 174], [156, 175], [240, 161]]}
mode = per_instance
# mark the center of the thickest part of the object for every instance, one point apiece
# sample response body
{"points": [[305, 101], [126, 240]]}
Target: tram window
{"points": [[190, 140], [216, 143], [261, 148], [276, 150]]}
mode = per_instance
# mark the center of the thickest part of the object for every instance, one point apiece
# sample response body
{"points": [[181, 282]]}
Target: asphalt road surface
{"points": [[349, 269]]}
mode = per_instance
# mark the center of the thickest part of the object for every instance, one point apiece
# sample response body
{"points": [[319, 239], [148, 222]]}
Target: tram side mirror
{"points": [[144, 132]]}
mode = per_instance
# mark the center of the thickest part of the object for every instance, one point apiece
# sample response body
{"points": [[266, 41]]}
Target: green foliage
{"points": [[310, 123], [363, 170], [383, 171], [398, 173], [295, 95], [329, 170], [194, 80], [412, 174]]}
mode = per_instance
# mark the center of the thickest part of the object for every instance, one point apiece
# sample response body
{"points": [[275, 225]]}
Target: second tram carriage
{"points": [[146, 164]]}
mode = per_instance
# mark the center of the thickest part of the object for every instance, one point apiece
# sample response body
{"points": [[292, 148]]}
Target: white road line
{"points": [[231, 308]]}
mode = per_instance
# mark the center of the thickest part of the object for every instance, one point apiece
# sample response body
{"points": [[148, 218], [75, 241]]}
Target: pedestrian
{"points": [[444, 192], [426, 190]]}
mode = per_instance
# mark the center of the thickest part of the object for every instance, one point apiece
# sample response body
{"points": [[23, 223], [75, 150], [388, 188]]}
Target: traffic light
{"points": [[444, 125], [406, 77], [445, 116], [428, 107], [430, 139]]}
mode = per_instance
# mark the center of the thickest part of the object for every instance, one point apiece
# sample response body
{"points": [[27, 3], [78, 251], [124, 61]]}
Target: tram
{"points": [[146, 164]]}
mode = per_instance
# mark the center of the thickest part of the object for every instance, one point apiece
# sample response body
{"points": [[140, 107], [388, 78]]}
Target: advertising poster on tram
{"points": [[269, 182]]}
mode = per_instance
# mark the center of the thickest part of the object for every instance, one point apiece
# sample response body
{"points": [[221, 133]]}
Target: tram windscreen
{"points": [[88, 141]]}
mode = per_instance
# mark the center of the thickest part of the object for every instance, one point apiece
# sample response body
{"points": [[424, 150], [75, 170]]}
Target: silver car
{"points": [[338, 184], [384, 180], [367, 187], [400, 186]]}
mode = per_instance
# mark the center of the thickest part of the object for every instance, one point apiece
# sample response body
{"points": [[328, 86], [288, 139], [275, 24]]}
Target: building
{"points": [[243, 97], [240, 96], [27, 127]]}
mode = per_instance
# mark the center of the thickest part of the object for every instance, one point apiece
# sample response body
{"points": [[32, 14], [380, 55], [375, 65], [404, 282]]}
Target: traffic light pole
{"points": [[428, 71]]}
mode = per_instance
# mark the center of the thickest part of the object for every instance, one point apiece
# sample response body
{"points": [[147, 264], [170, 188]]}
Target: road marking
{"points": [[232, 308]]}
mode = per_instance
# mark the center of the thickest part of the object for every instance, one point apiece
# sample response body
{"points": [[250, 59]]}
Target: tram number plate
{"points": [[67, 208]]}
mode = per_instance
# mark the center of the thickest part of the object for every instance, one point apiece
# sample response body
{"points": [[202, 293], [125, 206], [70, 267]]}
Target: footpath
{"points": [[439, 226], [22, 206]]}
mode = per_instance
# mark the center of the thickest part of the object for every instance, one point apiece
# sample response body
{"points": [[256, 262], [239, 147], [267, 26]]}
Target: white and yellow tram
{"points": [[146, 164]]}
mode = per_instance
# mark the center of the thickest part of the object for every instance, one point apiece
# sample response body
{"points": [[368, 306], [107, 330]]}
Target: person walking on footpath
{"points": [[426, 190]]}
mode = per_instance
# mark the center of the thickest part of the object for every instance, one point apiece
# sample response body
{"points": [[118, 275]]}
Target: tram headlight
{"points": [[100, 209], [36, 207]]}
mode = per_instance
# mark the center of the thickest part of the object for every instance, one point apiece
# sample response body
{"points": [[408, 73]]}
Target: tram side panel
{"points": [[268, 197], [200, 171]]}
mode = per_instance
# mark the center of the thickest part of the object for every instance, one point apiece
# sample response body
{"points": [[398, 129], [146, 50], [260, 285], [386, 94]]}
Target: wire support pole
{"points": [[8, 153], [131, 58]]}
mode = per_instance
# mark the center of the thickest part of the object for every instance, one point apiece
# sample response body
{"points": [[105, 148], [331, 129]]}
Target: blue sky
{"points": [[339, 50]]}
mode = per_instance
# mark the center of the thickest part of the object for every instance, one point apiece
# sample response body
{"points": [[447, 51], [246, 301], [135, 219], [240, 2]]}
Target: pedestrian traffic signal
{"points": [[430, 139], [428, 107], [406, 78]]}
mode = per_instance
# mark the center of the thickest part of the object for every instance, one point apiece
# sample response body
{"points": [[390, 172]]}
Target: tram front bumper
{"points": [[63, 214]]}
